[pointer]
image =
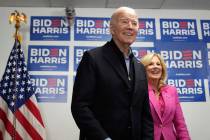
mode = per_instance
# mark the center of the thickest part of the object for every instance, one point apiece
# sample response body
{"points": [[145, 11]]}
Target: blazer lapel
{"points": [[168, 104], [154, 102], [114, 61]]}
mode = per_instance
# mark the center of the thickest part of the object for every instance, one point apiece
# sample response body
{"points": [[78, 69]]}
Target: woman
{"points": [[169, 123]]}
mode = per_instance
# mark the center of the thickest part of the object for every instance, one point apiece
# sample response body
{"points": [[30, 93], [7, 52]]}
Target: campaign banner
{"points": [[48, 58], [205, 29], [189, 88], [147, 30], [49, 28], [184, 59], [78, 53], [50, 88], [178, 30], [139, 52], [91, 29]]}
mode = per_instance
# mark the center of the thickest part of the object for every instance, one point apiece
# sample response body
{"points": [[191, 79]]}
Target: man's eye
{"points": [[125, 21], [134, 23]]}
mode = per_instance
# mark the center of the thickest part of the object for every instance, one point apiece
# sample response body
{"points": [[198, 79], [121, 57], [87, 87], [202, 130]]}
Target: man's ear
{"points": [[111, 29]]}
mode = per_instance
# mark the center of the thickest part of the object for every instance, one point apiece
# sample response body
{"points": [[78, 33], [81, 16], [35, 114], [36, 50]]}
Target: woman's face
{"points": [[154, 69]]}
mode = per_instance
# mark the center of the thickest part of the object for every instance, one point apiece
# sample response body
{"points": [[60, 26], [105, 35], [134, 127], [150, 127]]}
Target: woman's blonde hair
{"points": [[146, 60]]}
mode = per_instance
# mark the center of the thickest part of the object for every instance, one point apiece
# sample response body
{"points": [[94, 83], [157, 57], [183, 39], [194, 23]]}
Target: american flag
{"points": [[20, 118]]}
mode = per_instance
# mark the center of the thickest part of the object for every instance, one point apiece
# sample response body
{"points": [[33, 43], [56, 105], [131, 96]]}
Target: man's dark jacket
{"points": [[102, 102]]}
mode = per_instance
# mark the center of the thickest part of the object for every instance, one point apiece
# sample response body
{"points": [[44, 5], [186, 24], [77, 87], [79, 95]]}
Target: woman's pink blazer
{"points": [[172, 124]]}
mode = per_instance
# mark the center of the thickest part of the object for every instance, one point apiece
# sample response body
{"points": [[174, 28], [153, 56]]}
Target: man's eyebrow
{"points": [[132, 19]]}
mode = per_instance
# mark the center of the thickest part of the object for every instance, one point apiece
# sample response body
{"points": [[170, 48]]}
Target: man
{"points": [[110, 95]]}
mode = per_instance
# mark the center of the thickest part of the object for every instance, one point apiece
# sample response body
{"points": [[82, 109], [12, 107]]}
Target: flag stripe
{"points": [[33, 121], [8, 126], [9, 117], [4, 108], [5, 135], [34, 110], [30, 129], [22, 131]]}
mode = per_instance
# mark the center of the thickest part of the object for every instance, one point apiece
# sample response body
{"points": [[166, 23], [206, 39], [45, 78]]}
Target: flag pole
{"points": [[16, 18]]}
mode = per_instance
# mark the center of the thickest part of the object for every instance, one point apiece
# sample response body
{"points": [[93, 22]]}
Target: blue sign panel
{"points": [[91, 29], [139, 52], [48, 58], [189, 88], [147, 30], [184, 59], [205, 28], [78, 53], [50, 88], [178, 30], [54, 28]]}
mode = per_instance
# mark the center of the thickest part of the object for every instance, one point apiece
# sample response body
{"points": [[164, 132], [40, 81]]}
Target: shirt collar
{"points": [[119, 53]]}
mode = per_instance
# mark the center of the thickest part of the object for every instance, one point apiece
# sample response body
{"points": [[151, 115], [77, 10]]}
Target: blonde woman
{"points": [[169, 123]]}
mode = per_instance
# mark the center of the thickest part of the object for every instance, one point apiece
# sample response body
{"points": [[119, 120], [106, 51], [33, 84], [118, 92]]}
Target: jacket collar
{"points": [[154, 101], [166, 98], [116, 59]]}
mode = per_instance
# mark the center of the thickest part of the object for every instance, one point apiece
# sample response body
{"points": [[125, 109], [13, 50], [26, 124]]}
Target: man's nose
{"points": [[130, 24]]}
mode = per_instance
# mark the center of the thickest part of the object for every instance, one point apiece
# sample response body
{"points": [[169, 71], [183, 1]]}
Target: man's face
{"points": [[125, 28]]}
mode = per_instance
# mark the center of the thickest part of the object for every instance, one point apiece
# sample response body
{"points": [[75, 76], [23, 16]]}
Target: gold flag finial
{"points": [[17, 18]]}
